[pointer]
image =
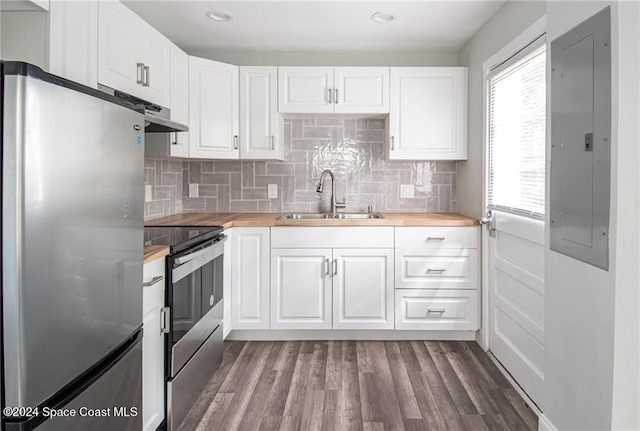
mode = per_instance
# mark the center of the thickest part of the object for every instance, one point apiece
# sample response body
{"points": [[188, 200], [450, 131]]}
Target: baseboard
{"points": [[289, 335], [544, 424]]}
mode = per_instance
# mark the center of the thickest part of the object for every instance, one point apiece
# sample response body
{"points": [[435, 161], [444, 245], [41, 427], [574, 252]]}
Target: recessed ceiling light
{"points": [[382, 17], [219, 16]]}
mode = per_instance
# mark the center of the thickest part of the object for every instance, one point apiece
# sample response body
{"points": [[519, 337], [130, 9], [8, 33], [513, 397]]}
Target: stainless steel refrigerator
{"points": [[72, 238]]}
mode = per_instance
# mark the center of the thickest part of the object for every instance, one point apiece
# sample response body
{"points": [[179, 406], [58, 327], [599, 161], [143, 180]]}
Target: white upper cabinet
{"points": [[213, 109], [428, 113], [259, 113], [360, 90], [73, 41], [132, 56], [305, 89], [179, 100]]}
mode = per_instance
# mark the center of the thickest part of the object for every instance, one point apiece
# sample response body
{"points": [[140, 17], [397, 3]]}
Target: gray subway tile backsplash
{"points": [[352, 148]]}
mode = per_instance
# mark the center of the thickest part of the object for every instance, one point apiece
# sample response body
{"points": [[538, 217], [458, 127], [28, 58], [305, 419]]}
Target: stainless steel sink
{"points": [[331, 216]]}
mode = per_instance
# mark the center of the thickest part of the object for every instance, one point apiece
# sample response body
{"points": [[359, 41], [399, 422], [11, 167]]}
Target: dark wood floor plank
{"points": [[404, 391], [356, 386], [525, 412], [285, 367], [349, 401], [451, 380], [432, 378], [508, 413], [333, 377]]}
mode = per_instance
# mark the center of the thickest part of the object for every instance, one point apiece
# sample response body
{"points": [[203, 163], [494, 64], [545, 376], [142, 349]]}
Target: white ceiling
{"points": [[425, 26]]}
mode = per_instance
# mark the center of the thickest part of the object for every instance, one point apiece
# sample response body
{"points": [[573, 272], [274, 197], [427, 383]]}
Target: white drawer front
{"points": [[332, 237], [434, 310], [152, 279], [437, 237], [437, 269]]}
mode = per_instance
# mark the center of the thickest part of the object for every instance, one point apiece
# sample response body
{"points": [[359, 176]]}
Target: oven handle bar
{"points": [[191, 262]]}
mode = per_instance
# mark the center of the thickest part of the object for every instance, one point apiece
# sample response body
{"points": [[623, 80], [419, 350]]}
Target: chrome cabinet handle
{"points": [[140, 73], [326, 266], [335, 266], [273, 142], [235, 142], [435, 270], [174, 138], [436, 238], [146, 76], [329, 98], [435, 310], [153, 281], [335, 97], [165, 320], [393, 144]]}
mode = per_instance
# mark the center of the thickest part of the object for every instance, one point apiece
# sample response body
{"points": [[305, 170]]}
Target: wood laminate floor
{"points": [[358, 385]]}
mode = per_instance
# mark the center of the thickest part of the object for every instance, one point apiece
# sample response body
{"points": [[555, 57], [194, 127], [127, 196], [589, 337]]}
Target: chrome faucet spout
{"points": [[334, 204]]}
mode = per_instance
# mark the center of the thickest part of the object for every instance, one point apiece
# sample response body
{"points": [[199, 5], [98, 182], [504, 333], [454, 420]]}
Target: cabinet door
{"points": [[428, 113], [179, 100], [213, 109], [363, 289], [156, 56], [118, 47], [305, 89], [259, 114], [300, 289], [73, 41], [152, 346], [250, 283], [361, 90]]}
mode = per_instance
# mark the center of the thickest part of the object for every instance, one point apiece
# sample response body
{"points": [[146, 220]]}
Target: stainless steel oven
{"points": [[192, 317]]}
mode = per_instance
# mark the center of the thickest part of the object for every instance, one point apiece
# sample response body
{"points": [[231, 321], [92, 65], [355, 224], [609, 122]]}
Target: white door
{"points": [[305, 89], [361, 90], [301, 288], [428, 113], [179, 100], [259, 113], [363, 289], [250, 283], [213, 109], [516, 196]]}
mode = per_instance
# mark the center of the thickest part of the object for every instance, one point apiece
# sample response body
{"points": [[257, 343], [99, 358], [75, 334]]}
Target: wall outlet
{"points": [[193, 190], [273, 191], [147, 193], [407, 191]]}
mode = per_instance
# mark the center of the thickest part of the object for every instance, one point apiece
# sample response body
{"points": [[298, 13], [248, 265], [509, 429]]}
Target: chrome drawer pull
{"points": [[435, 238], [153, 281], [435, 270], [435, 310]]}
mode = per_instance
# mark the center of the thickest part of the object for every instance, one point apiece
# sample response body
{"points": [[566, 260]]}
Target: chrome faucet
{"points": [[334, 204]]}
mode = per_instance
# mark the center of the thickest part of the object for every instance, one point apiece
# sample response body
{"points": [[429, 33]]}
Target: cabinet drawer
{"points": [[153, 285], [437, 310], [332, 237], [437, 237], [437, 269]]}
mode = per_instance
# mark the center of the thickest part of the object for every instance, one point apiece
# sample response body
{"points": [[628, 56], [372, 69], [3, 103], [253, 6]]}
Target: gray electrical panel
{"points": [[581, 141]]}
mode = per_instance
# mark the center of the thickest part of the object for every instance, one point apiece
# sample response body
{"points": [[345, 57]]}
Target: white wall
{"points": [[510, 20], [591, 318], [307, 58]]}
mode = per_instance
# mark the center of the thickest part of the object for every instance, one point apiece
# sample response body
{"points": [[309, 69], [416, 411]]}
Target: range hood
{"points": [[157, 119]]}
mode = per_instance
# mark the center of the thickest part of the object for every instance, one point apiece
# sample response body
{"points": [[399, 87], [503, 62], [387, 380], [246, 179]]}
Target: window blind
{"points": [[517, 133]]}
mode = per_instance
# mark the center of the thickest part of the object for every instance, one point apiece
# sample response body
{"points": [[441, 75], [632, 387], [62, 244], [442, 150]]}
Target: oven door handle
{"points": [[186, 265]]}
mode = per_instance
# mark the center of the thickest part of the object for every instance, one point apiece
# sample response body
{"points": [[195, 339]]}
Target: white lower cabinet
{"points": [[153, 345], [301, 288], [363, 289], [434, 309], [250, 278]]}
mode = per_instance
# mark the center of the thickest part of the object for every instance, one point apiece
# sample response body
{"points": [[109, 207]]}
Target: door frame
{"points": [[523, 39]]}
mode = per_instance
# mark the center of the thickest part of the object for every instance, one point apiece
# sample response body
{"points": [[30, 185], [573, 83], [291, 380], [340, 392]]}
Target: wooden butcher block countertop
{"points": [[228, 220], [153, 252]]}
